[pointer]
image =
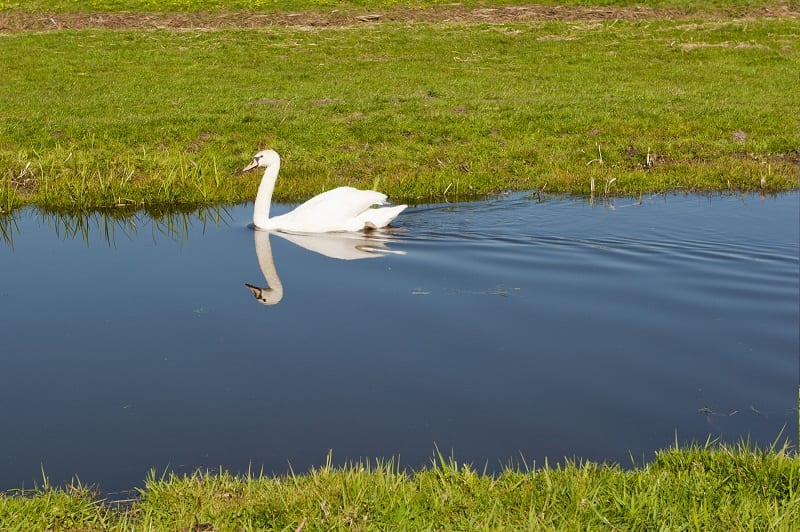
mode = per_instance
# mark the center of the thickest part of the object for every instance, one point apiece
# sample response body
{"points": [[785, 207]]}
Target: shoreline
{"points": [[709, 485]]}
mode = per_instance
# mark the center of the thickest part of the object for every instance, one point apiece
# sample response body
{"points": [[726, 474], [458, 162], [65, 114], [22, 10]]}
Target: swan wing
{"points": [[344, 201], [339, 209]]}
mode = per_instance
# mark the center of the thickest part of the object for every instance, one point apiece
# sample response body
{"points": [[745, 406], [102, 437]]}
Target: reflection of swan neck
{"points": [[273, 293], [264, 196]]}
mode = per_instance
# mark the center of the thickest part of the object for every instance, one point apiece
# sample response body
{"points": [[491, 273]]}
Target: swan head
{"points": [[264, 159]]}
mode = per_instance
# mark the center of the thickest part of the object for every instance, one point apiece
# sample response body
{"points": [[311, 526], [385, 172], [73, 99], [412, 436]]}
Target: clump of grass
{"points": [[46, 508], [709, 486]]}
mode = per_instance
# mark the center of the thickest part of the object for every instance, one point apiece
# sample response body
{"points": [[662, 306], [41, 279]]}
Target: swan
{"points": [[340, 209]]}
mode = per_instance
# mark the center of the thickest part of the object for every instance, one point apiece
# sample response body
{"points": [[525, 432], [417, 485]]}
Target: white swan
{"points": [[340, 209]]}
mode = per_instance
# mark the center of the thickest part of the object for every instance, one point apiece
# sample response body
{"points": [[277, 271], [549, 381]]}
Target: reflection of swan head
{"points": [[265, 296]]}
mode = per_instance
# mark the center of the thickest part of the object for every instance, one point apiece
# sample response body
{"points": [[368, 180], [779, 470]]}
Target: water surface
{"points": [[502, 329]]}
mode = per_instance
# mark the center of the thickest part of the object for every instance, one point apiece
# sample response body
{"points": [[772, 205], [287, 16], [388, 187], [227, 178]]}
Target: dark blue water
{"points": [[500, 330]]}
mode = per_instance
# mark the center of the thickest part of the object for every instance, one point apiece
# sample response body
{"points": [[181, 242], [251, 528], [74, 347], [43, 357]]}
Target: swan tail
{"points": [[380, 217]]}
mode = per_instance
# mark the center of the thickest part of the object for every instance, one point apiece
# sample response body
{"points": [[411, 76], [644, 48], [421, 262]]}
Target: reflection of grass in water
{"points": [[710, 487], [426, 110], [174, 223], [8, 227]]}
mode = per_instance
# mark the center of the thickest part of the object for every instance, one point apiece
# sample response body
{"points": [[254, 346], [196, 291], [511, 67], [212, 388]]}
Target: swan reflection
{"points": [[342, 246]]}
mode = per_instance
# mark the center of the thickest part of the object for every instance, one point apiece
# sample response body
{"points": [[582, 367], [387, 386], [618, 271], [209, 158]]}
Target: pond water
{"points": [[497, 331]]}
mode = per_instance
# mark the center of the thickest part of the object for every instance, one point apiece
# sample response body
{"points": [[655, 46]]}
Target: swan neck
{"points": [[264, 196]]}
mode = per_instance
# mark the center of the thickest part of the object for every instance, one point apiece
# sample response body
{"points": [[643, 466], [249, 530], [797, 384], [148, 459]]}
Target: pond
{"points": [[516, 328]]}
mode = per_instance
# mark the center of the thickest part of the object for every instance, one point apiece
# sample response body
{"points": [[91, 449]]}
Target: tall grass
{"points": [[701, 487]]}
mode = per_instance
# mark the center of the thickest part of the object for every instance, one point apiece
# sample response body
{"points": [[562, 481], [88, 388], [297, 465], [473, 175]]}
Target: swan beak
{"points": [[250, 166]]}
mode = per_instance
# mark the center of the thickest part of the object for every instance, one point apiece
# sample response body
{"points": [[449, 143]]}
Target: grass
{"points": [[131, 118], [708, 487], [97, 118], [304, 5]]}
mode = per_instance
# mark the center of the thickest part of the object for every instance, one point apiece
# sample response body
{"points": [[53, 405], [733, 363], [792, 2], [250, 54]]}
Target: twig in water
{"points": [[539, 192], [764, 180]]}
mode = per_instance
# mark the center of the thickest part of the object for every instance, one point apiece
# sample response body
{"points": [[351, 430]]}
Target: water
{"points": [[498, 330]]}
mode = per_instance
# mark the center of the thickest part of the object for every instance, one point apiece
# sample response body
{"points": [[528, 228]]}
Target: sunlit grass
{"points": [[99, 118], [295, 5], [708, 487]]}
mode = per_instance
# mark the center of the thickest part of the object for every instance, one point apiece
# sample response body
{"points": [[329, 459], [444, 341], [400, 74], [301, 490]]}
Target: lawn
{"points": [[99, 117]]}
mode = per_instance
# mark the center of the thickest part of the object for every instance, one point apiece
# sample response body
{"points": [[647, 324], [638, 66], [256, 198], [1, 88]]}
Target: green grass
{"points": [[99, 118], [709, 487], [304, 5]]}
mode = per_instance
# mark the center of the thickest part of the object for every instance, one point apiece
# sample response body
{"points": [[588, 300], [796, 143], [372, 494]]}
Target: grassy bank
{"points": [[321, 5], [702, 487], [103, 117]]}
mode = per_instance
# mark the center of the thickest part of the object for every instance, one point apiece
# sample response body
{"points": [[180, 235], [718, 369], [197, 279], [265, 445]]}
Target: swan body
{"points": [[340, 209]]}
